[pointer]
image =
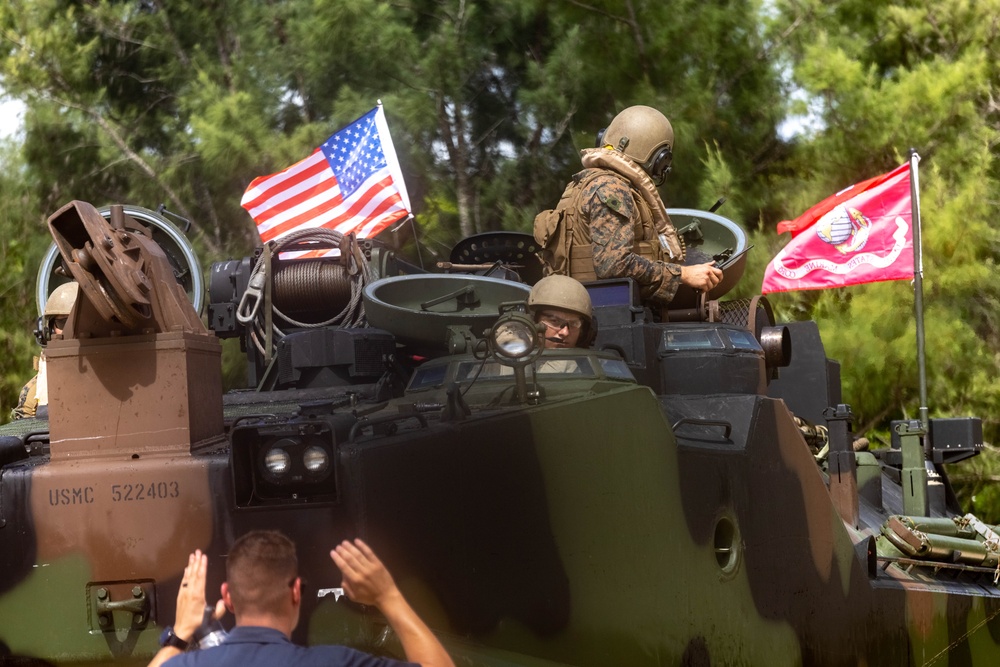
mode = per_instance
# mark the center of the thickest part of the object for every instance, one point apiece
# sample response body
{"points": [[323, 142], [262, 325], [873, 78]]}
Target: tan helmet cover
{"points": [[646, 129], [561, 292], [61, 301]]}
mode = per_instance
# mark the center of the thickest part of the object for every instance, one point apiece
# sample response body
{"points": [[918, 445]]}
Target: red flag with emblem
{"points": [[862, 234]]}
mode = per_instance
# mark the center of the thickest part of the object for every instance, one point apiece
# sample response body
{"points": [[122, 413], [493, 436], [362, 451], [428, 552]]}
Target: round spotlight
{"points": [[316, 460], [514, 339], [277, 461]]}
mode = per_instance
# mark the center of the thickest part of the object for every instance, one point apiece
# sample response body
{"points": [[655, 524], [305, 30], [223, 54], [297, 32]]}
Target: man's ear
{"points": [[297, 591], [227, 598]]}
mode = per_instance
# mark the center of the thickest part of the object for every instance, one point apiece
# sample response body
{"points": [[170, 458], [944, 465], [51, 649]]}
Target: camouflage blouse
{"points": [[613, 214]]}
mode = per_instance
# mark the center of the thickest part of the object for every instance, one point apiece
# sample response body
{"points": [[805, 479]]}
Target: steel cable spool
{"points": [[753, 314], [312, 285]]}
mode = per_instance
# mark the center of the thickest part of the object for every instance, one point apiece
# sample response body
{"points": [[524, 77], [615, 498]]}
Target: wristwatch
{"points": [[168, 638]]}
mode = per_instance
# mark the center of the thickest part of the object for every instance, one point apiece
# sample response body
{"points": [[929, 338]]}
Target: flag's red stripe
{"points": [[384, 220], [265, 187], [322, 191], [310, 203], [351, 223], [279, 198], [357, 202], [323, 207], [382, 224], [370, 228]]}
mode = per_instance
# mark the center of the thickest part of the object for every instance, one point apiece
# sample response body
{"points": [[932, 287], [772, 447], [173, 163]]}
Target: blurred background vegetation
{"points": [[776, 104]]}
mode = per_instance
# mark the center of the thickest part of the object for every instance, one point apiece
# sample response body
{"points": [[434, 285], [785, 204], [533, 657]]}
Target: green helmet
{"points": [[646, 136], [61, 301]]}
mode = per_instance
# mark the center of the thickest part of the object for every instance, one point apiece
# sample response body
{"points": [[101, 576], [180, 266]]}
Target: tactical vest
{"points": [[564, 236], [567, 246]]}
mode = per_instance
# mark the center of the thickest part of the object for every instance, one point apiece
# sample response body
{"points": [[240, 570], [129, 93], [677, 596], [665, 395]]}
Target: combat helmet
{"points": [[61, 301], [565, 293], [646, 136], [59, 304]]}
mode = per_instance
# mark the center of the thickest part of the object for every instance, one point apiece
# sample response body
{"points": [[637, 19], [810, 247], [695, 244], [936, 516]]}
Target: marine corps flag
{"points": [[862, 234]]}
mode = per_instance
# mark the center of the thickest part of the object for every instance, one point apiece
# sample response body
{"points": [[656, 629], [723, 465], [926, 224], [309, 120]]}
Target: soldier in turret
{"points": [[611, 222], [563, 305], [35, 392]]}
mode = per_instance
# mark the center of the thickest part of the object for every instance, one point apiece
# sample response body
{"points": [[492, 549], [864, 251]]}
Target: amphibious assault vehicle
{"points": [[686, 491]]}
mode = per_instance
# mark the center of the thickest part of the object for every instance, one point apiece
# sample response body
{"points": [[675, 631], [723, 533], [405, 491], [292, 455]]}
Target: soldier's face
{"points": [[562, 328]]}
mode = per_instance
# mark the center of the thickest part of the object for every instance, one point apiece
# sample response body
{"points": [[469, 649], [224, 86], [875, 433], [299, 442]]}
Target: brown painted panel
{"points": [[130, 518], [134, 394]]}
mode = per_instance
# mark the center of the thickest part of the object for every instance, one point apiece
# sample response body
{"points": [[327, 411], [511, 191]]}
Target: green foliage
{"points": [[888, 76], [21, 246], [977, 481]]}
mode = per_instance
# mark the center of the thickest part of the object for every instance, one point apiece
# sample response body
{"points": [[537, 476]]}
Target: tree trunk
{"points": [[453, 133]]}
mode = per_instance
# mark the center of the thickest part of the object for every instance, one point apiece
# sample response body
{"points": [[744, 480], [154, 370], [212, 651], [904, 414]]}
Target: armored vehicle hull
{"points": [[652, 501]]}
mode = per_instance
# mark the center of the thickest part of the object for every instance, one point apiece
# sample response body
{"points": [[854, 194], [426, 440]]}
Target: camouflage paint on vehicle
{"points": [[591, 520]]}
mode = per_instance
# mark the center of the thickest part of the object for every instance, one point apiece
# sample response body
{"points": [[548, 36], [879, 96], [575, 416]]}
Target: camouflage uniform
{"points": [[613, 216], [603, 227], [27, 401]]}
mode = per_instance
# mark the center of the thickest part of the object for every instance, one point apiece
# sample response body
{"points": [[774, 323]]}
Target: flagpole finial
{"points": [[378, 102]]}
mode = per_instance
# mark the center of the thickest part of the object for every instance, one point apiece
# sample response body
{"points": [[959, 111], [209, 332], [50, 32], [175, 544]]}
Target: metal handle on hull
{"points": [[693, 421]]}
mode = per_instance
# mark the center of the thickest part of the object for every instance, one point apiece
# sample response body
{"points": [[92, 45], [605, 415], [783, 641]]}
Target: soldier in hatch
{"points": [[611, 222], [35, 392], [563, 305]]}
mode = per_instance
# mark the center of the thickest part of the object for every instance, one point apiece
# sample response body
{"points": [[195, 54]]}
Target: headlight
{"points": [[285, 462], [514, 339], [316, 460], [276, 459]]}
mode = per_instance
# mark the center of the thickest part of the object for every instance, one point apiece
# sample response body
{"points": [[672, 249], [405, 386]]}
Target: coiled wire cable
{"points": [[360, 274]]}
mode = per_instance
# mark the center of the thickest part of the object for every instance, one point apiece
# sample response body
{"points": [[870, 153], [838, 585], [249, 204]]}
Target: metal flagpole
{"points": [[918, 283]]}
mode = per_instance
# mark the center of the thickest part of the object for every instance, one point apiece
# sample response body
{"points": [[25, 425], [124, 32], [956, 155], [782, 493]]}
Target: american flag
{"points": [[352, 183]]}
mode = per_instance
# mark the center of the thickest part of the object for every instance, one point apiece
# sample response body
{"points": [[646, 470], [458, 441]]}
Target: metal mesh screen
{"points": [[735, 312], [368, 355]]}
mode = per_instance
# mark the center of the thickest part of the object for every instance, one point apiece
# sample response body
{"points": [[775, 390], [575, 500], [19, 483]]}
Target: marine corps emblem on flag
{"points": [[846, 229]]}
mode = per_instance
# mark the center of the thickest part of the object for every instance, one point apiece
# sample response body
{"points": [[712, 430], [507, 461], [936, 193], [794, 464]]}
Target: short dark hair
{"points": [[261, 566]]}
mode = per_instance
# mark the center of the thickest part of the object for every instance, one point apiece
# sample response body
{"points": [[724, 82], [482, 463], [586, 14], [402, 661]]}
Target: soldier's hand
{"points": [[701, 276], [191, 596], [366, 579]]}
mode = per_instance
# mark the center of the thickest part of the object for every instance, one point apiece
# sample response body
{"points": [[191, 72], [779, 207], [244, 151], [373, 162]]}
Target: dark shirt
{"points": [[249, 646]]}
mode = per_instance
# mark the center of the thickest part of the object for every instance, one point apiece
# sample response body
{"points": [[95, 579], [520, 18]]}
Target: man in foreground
{"points": [[264, 591]]}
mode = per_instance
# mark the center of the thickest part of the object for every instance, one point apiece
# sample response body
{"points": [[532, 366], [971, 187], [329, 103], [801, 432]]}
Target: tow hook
{"points": [[124, 601]]}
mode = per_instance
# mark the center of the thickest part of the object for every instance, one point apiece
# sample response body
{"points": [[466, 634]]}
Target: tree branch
{"points": [[168, 28], [631, 22]]}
